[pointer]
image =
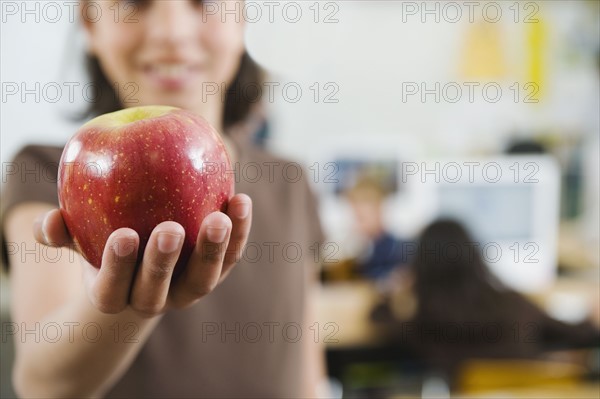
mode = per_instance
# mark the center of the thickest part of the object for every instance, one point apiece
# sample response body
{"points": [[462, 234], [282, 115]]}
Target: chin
{"points": [[190, 99], [169, 99]]}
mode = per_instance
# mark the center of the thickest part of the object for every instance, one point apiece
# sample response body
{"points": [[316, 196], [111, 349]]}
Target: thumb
{"points": [[49, 229]]}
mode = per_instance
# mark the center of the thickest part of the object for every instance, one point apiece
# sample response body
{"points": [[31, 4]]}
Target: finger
{"points": [[50, 229], [110, 289], [203, 270], [151, 285], [239, 211]]}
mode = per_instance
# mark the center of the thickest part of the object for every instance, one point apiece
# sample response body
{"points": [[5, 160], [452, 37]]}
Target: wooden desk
{"points": [[348, 305]]}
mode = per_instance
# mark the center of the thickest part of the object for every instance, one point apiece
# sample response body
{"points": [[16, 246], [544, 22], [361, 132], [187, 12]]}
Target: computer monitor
{"points": [[510, 205]]}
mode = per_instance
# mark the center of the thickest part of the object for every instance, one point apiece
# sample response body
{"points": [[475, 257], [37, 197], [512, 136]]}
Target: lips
{"points": [[171, 76]]}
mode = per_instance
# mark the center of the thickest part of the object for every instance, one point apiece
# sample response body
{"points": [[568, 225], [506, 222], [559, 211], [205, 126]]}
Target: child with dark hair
{"points": [[465, 312]]}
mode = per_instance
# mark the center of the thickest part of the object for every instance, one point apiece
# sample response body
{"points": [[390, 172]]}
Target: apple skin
{"points": [[137, 168]]}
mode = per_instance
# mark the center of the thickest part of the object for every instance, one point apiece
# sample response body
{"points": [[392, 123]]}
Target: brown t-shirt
{"points": [[242, 339]]}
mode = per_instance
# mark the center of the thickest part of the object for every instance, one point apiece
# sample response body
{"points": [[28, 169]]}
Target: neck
{"points": [[213, 112]]}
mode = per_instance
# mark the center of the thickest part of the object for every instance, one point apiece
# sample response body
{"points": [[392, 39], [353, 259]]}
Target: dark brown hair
{"points": [[452, 281], [238, 103]]}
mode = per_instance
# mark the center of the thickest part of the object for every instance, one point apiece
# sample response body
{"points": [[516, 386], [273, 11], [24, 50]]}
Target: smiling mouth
{"points": [[171, 75], [169, 71]]}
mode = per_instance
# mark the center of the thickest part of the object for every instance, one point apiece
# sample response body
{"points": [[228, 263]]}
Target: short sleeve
{"points": [[29, 177]]}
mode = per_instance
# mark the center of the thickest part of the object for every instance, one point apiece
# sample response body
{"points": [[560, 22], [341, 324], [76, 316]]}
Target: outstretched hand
{"points": [[148, 287]]}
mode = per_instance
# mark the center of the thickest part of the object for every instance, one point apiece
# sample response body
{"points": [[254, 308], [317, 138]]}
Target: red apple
{"points": [[137, 168]]}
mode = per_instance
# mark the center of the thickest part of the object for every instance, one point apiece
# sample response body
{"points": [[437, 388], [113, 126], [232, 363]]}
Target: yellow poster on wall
{"points": [[483, 57], [487, 46]]}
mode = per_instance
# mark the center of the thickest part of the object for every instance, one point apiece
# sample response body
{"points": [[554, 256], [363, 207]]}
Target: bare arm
{"points": [[48, 295]]}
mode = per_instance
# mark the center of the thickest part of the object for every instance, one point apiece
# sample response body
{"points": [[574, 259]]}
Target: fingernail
{"points": [[37, 225], [45, 230], [216, 234], [168, 242], [123, 248], [243, 210]]}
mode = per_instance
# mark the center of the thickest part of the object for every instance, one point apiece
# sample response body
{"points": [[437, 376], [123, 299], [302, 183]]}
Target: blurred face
{"points": [[367, 214], [172, 51]]}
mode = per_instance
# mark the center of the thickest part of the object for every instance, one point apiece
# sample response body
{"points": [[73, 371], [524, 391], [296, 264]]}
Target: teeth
{"points": [[170, 71]]}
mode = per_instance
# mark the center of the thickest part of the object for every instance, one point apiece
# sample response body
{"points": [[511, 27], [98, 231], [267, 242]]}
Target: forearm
{"points": [[89, 354]]}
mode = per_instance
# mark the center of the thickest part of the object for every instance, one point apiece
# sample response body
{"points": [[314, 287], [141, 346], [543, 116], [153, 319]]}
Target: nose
{"points": [[172, 22]]}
